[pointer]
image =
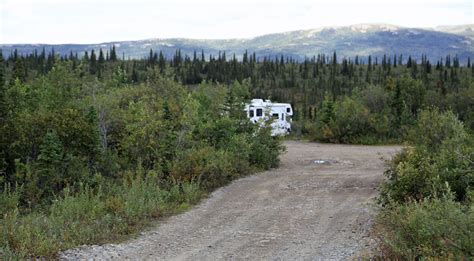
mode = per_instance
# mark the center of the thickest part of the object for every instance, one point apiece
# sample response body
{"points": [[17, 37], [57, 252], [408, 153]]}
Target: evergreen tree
{"points": [[18, 69], [2, 73], [113, 54], [50, 164], [369, 63], [161, 62], [327, 110], [100, 64], [135, 78], [93, 63], [101, 57], [51, 149], [409, 62], [397, 107]]}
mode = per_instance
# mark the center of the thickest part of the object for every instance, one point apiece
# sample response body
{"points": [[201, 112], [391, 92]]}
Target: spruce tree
{"points": [[101, 62], [135, 78], [327, 109], [369, 66], [113, 54], [101, 57], [2, 73], [93, 63], [150, 58], [161, 62], [18, 70]]}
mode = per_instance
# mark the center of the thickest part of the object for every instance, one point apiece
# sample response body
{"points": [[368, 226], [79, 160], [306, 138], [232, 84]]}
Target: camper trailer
{"points": [[260, 111]]}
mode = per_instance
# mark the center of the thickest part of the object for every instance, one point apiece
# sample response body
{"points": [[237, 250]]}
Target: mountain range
{"points": [[347, 41]]}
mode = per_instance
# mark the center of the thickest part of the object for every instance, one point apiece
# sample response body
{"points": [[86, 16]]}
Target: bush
{"points": [[434, 128], [207, 166], [443, 152], [345, 121], [436, 228], [427, 199], [265, 150], [412, 175]]}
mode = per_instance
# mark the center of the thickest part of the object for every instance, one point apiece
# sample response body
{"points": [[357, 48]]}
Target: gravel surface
{"points": [[317, 205]]}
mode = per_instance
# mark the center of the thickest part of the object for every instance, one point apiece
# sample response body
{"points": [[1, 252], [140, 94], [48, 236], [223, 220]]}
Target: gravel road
{"points": [[317, 205]]}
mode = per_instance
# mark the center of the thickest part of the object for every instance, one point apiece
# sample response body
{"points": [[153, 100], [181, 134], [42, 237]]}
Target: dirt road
{"points": [[306, 209]]}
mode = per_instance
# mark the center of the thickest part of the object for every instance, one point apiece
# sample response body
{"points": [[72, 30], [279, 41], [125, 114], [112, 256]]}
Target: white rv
{"points": [[260, 111]]}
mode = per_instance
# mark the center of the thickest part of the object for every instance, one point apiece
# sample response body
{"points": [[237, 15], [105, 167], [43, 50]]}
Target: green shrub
{"points": [[436, 228], [427, 198], [239, 149], [345, 121], [434, 128], [444, 155], [207, 166], [411, 175], [264, 149]]}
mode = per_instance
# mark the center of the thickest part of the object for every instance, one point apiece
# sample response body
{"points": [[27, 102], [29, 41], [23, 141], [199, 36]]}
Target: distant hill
{"points": [[464, 30], [348, 41]]}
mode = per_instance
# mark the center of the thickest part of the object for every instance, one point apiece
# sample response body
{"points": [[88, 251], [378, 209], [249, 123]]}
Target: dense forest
{"points": [[402, 83], [98, 141]]}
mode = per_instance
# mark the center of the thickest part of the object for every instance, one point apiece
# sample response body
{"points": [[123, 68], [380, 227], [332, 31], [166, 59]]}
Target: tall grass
{"points": [[88, 216]]}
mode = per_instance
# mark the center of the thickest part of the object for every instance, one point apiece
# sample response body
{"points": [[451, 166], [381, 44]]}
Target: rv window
{"points": [[251, 113], [259, 112], [283, 116], [275, 115], [288, 110]]}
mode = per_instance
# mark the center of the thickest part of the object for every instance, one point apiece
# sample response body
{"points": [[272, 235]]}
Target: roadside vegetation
{"points": [[88, 161], [427, 202], [93, 147]]}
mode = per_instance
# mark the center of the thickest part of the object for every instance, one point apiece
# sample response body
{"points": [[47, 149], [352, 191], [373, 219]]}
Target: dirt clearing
{"points": [[315, 206]]}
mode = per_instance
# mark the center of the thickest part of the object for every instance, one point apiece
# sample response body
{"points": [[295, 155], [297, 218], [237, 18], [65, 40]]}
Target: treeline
{"points": [[386, 93], [304, 84]]}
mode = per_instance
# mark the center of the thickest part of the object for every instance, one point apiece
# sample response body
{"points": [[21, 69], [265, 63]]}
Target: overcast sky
{"points": [[95, 21]]}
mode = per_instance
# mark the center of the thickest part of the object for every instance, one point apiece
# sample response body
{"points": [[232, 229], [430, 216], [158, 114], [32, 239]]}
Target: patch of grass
{"points": [[9, 198], [90, 217]]}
